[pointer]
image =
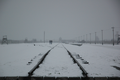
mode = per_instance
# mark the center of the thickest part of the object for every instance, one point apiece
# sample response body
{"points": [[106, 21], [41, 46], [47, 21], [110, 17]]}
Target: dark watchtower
{"points": [[4, 40]]}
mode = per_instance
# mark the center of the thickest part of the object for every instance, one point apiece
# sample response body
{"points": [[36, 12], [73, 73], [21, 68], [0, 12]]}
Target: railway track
{"points": [[61, 56], [84, 72], [30, 73]]}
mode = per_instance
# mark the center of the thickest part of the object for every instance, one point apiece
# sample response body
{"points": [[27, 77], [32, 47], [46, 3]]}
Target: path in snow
{"points": [[58, 63]]}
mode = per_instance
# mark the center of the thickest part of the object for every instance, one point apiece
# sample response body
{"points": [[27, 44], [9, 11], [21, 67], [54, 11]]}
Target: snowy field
{"points": [[19, 59], [103, 60]]}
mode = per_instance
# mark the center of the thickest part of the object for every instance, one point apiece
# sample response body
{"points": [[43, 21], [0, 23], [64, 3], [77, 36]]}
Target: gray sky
{"points": [[69, 19]]}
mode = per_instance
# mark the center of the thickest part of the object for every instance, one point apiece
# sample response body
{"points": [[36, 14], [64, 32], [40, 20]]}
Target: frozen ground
{"points": [[19, 59], [101, 59]]}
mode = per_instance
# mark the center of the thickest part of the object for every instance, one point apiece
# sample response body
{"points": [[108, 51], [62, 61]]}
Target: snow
{"points": [[14, 58], [58, 63], [108, 46], [100, 58], [19, 59]]}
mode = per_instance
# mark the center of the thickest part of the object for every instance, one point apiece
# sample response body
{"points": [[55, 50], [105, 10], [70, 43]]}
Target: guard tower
{"points": [[4, 40], [118, 41]]}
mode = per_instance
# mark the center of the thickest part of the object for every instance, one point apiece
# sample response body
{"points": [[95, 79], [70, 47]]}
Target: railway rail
{"points": [[84, 72], [31, 73]]}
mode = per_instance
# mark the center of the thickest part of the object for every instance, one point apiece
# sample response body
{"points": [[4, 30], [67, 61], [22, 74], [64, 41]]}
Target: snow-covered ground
{"points": [[58, 63], [101, 59], [108, 46], [19, 59]]}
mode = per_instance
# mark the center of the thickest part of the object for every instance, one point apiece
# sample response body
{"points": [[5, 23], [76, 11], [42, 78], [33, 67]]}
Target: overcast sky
{"points": [[69, 19]]}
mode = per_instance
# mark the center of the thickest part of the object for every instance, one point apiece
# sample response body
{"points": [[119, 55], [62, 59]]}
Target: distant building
{"points": [[5, 40]]}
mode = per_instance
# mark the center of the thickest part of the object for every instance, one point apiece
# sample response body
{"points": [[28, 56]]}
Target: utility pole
{"points": [[86, 38], [83, 37], [102, 36], [113, 35], [44, 36], [95, 37], [79, 38], [90, 38]]}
